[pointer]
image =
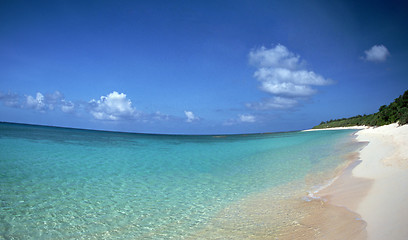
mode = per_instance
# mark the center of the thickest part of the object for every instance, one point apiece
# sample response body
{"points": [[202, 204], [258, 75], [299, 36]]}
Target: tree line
{"points": [[396, 111]]}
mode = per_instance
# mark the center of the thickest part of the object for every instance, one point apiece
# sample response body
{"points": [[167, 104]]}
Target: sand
{"points": [[368, 200], [337, 128], [385, 161], [375, 187]]}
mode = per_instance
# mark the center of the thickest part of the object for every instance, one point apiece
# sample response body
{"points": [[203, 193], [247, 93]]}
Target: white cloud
{"points": [[282, 74], [247, 118], [242, 118], [67, 106], [42, 102], [54, 99], [160, 116], [274, 102], [114, 106], [287, 88], [10, 99], [190, 116], [377, 53], [37, 102], [278, 56]]}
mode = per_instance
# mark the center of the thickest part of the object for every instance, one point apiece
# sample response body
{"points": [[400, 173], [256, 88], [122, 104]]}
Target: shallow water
{"points": [[58, 183]]}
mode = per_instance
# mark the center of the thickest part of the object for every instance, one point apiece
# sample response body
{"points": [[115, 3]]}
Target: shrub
{"points": [[404, 117], [396, 111]]}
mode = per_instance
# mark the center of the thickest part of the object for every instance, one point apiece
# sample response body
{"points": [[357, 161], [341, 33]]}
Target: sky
{"points": [[199, 67]]}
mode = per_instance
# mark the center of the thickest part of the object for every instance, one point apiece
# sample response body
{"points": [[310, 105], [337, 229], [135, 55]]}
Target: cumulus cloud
{"points": [[114, 106], [377, 53], [247, 118], [279, 56], [190, 116], [37, 102], [50, 101], [282, 74]]}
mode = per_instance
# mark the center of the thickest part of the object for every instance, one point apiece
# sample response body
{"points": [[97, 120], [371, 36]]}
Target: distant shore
{"points": [[337, 128], [375, 187]]}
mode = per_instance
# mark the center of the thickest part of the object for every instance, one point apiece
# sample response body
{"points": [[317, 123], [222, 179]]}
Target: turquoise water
{"points": [[58, 183]]}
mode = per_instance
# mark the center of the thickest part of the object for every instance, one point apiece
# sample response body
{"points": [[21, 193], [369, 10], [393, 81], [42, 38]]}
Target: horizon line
{"points": [[146, 133]]}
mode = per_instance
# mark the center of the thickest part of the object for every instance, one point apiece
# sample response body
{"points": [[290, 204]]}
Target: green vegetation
{"points": [[397, 111]]}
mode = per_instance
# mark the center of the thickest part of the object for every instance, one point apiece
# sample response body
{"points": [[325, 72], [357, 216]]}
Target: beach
{"points": [[60, 183], [373, 188], [66, 184]]}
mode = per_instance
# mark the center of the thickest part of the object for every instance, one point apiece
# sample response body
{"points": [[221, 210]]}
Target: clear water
{"points": [[58, 183]]}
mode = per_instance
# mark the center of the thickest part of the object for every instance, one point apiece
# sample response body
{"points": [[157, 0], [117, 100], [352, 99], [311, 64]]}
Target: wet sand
{"points": [[272, 215], [366, 201], [373, 190], [332, 213]]}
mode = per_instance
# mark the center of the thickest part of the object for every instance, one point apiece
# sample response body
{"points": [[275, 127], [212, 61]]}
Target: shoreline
{"points": [[373, 187], [385, 160], [332, 209], [337, 128], [270, 214]]}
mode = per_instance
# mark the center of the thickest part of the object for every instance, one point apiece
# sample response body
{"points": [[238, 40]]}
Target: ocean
{"points": [[60, 183]]}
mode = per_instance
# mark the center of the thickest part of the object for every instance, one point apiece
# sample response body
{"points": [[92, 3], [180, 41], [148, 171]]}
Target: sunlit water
{"points": [[58, 183]]}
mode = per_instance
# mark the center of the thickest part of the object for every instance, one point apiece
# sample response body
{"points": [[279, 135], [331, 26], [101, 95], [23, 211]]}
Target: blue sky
{"points": [[199, 67]]}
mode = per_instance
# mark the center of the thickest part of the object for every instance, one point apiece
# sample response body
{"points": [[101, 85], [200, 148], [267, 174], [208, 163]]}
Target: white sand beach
{"points": [[337, 128], [385, 160], [377, 188]]}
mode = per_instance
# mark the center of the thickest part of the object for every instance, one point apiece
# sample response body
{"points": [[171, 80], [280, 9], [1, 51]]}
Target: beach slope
{"points": [[385, 161], [374, 187]]}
